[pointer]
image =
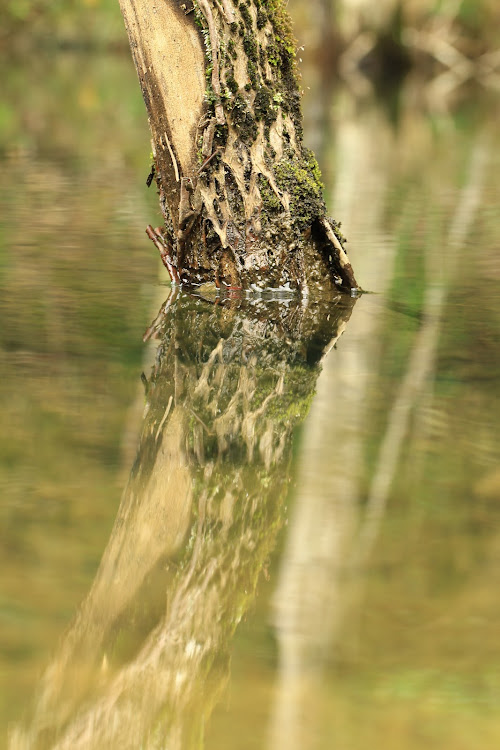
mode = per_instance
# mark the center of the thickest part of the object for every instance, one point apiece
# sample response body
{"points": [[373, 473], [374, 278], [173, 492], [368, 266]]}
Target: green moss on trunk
{"points": [[257, 185]]}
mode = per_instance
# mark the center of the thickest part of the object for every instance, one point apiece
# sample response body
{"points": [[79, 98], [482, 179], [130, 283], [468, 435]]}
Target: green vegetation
{"points": [[263, 105], [243, 119], [305, 192], [269, 197], [69, 22], [98, 22], [404, 34]]}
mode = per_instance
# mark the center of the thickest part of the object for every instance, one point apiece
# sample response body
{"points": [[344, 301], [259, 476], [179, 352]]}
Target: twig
{"points": [[229, 11], [217, 151], [208, 137], [226, 10], [200, 421], [155, 325], [172, 155], [344, 267], [156, 237], [165, 415]]}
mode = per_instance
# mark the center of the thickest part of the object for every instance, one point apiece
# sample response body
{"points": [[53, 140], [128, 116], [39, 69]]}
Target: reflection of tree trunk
{"points": [[422, 357], [315, 589], [146, 656], [330, 539]]}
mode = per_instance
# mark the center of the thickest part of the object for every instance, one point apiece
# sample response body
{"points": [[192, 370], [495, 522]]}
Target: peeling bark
{"points": [[240, 194]]}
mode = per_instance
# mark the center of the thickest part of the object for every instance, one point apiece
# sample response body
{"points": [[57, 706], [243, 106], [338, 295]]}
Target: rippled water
{"points": [[306, 554]]}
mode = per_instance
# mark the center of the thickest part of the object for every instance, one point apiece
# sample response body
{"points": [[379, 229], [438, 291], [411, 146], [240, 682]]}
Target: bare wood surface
{"points": [[169, 59]]}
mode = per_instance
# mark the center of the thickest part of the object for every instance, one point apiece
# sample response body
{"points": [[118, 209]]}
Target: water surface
{"points": [[350, 511]]}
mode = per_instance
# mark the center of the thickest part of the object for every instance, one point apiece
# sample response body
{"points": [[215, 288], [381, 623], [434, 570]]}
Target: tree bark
{"points": [[240, 195]]}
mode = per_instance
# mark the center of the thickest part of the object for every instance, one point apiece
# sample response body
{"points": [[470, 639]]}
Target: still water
{"points": [[286, 533]]}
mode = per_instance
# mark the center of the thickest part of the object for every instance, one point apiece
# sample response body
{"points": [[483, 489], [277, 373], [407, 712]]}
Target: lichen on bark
{"points": [[245, 208]]}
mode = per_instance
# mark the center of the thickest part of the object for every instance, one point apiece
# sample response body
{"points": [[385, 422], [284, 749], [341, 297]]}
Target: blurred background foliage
{"points": [[60, 22], [470, 26]]}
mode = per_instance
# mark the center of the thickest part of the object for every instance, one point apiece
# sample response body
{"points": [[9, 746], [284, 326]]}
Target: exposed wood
{"points": [[169, 60]]}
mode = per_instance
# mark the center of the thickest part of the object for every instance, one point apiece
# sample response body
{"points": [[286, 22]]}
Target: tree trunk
{"points": [[240, 194]]}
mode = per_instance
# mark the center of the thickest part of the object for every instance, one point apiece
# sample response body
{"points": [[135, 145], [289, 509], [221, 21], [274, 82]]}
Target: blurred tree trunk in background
{"points": [[448, 44], [354, 16]]}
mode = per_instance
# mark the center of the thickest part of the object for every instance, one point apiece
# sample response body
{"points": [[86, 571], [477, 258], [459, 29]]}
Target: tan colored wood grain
{"points": [[169, 59]]}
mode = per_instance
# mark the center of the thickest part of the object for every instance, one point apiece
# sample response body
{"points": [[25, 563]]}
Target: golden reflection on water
{"points": [[378, 624], [144, 660]]}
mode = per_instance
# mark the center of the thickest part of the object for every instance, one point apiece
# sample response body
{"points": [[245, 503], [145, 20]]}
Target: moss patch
{"points": [[269, 198], [313, 167], [247, 18], [299, 182], [231, 81], [263, 105], [243, 119]]}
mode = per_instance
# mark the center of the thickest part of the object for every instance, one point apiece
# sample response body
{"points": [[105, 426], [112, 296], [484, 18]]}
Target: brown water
{"points": [[274, 580]]}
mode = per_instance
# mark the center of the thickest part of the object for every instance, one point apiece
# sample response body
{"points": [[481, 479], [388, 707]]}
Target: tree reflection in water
{"points": [[147, 655]]}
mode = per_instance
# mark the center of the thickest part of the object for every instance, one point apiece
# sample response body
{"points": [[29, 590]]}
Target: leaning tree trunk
{"points": [[240, 194]]}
